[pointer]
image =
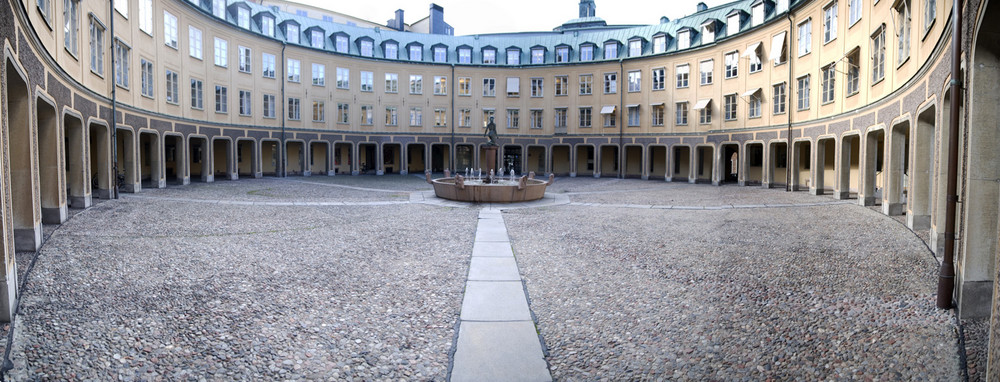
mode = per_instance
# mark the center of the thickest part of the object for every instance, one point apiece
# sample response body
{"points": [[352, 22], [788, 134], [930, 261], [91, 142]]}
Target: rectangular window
{"points": [[319, 112], [562, 54], [169, 29], [465, 118], [440, 85], [221, 99], [634, 119], [684, 40], [610, 83], [830, 23], [488, 115], [930, 13], [537, 87], [245, 103], [46, 9], [367, 48], [391, 83], [147, 77], [96, 47], [440, 54], [903, 31], [586, 114], [755, 62], [294, 68], [343, 78], [267, 62], [513, 87], [659, 79], [316, 40], [708, 33], [391, 51], [635, 48], [416, 84], [245, 59], [587, 53], [561, 85], [586, 84], [829, 73], [634, 81], [682, 76], [367, 81], [194, 42], [560, 118], [802, 93], [465, 56], [538, 56], [489, 56], [657, 116], [878, 55], [219, 8], [610, 119], [221, 52], [705, 114], [513, 118], [610, 50], [733, 25], [682, 113], [465, 86], [145, 16], [805, 38], [294, 105], [391, 116], [853, 72], [729, 113], [269, 106], [440, 117], [416, 53], [267, 26], [71, 18], [122, 8], [732, 64], [319, 74], [854, 7], [416, 116], [489, 87], [753, 110], [707, 67], [292, 36], [659, 44], [243, 17], [513, 57], [779, 98], [197, 95], [757, 14], [122, 55], [536, 119], [340, 41], [367, 114], [172, 86]]}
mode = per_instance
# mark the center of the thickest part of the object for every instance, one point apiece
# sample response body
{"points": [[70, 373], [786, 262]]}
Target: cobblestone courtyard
{"points": [[346, 278]]}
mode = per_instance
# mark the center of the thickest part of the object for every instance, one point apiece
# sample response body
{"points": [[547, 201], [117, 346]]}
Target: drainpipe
{"points": [[284, 77], [946, 278], [621, 120], [453, 154], [114, 106], [788, 103]]}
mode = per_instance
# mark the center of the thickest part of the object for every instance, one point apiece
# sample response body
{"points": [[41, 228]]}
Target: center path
{"points": [[497, 339]]}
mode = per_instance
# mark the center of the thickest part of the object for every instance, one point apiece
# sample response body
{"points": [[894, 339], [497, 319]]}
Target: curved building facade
{"points": [[844, 97]]}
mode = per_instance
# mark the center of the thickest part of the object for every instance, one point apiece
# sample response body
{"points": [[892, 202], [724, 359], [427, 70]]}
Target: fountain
{"points": [[495, 187]]}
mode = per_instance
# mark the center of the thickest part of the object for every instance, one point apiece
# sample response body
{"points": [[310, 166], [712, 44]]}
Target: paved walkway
{"points": [[497, 338]]}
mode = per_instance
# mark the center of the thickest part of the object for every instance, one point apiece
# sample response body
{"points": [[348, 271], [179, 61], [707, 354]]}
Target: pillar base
{"points": [[80, 202], [28, 239], [893, 209], [404, 172], [841, 195], [102, 193], [162, 183], [54, 215], [597, 175], [208, 178], [572, 175], [716, 183], [233, 176], [186, 181], [379, 172], [975, 299], [918, 222], [937, 242], [816, 191], [355, 173], [8, 296], [866, 201], [645, 177], [258, 175]]}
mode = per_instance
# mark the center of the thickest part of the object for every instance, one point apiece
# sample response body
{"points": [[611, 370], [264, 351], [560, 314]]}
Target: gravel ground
{"points": [[151, 290], [682, 194], [746, 294], [314, 188], [976, 345]]}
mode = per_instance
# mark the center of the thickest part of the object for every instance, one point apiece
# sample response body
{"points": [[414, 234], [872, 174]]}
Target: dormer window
{"points": [[513, 57], [489, 56], [267, 25], [292, 33], [538, 55], [757, 14], [733, 24], [219, 9], [562, 54], [316, 39], [659, 44], [440, 54], [635, 48], [464, 55], [587, 52], [367, 48], [416, 53], [342, 44], [243, 17], [391, 50], [684, 39], [708, 32], [610, 50]]}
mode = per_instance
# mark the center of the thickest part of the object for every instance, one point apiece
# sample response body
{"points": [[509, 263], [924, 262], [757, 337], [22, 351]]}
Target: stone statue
{"points": [[491, 133]]}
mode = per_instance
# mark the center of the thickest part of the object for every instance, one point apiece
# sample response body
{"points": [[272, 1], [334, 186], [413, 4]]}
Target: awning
{"points": [[513, 85], [657, 104], [777, 46], [751, 92], [752, 49], [683, 69], [702, 103], [632, 105], [608, 110]]}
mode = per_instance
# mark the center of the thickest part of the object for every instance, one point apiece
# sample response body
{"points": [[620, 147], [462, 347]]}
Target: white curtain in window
{"points": [[513, 85], [683, 69]]}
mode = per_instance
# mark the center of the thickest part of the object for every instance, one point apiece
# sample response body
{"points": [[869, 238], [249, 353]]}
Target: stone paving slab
{"points": [[494, 301], [491, 230], [493, 269], [492, 249], [499, 351]]}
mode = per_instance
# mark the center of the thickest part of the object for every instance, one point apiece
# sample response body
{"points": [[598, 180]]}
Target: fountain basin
{"points": [[458, 189]]}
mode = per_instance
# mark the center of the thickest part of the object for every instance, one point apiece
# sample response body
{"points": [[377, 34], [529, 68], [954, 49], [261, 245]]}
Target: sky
{"points": [[496, 16]]}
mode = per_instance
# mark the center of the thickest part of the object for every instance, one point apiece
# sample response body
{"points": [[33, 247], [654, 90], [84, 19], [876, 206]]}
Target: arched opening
{"points": [[201, 169], [919, 215], [941, 178], [826, 161], [608, 156], [754, 158], [319, 158], [536, 160], [149, 158], [415, 154], [730, 163], [633, 162], [777, 165], [222, 160], [77, 191], [51, 173], [295, 158], [801, 165], [173, 159], [27, 215], [560, 161], [585, 160], [392, 158], [871, 189], [440, 157], [128, 179], [464, 157], [246, 158], [657, 162], [100, 161], [896, 179], [270, 154], [368, 158], [704, 158], [343, 161], [682, 164], [849, 175]]}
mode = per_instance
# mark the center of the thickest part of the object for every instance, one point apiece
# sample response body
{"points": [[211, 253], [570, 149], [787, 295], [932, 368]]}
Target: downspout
{"points": [[284, 77], [621, 120], [946, 278], [788, 103], [114, 106], [452, 108]]}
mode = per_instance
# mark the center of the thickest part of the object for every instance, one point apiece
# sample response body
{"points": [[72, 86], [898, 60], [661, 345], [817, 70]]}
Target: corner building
{"points": [[845, 97]]}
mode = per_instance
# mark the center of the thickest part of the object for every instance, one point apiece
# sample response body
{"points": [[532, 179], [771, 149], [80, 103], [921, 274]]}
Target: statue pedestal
{"points": [[490, 159]]}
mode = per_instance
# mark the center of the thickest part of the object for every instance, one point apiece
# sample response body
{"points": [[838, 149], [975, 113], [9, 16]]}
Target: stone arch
{"points": [[319, 157], [20, 131], [150, 159], [825, 171], [898, 167], [295, 158], [802, 168], [416, 154], [391, 158], [223, 166], [535, 160], [872, 181], [99, 159], [174, 159], [51, 167], [270, 157], [777, 164], [658, 161], [586, 160], [753, 163], [849, 166], [78, 192], [465, 157], [918, 217], [247, 163], [633, 162], [729, 159], [680, 168], [703, 168], [343, 158], [200, 158]]}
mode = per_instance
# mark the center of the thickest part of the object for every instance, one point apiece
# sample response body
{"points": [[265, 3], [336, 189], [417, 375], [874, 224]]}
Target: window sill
{"points": [[927, 29], [825, 43], [319, 85], [849, 95], [147, 96], [876, 82], [174, 47], [71, 54], [245, 115], [221, 112], [905, 60], [92, 71]]}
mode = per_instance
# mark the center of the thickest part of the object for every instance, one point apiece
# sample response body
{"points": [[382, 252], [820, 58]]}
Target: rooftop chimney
{"points": [[702, 7], [397, 23], [587, 8], [664, 19]]}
